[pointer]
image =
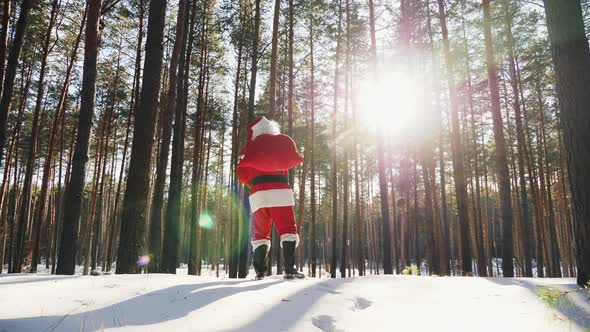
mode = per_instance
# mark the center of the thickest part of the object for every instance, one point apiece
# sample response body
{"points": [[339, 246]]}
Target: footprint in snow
{"points": [[360, 303], [325, 323], [329, 290]]}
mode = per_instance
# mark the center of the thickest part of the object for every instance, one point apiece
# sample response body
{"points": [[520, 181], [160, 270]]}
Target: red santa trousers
{"points": [[283, 219], [273, 203]]}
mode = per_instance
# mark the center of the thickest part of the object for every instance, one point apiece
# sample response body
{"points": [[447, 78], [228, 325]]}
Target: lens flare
{"points": [[206, 221], [143, 261]]}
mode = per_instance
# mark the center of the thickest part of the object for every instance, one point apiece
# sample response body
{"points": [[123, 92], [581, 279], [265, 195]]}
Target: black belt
{"points": [[268, 178]]}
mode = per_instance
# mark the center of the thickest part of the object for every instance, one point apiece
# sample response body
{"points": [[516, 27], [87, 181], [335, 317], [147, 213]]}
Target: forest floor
{"points": [[158, 302]]}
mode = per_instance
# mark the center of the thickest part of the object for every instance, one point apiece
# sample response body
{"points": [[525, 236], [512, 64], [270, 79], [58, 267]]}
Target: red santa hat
{"points": [[262, 126]]}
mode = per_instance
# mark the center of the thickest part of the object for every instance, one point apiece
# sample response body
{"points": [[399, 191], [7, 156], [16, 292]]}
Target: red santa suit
{"points": [[263, 167]]}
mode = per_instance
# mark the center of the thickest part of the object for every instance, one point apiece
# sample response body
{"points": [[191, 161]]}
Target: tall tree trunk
{"points": [[197, 149], [476, 193], [10, 73], [334, 156], [59, 200], [75, 188], [273, 60], [8, 223], [457, 150], [4, 39], [345, 156], [234, 185], [386, 245], [173, 207], [359, 221], [501, 159], [136, 193], [313, 234], [302, 178], [37, 221], [13, 200], [525, 215], [133, 110], [171, 234], [544, 224], [552, 236], [96, 179], [440, 216], [564, 206], [244, 229], [98, 223], [291, 83]]}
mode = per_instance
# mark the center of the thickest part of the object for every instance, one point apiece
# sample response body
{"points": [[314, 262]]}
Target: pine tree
{"points": [[11, 66], [73, 196], [501, 159], [171, 233], [457, 150], [571, 58], [136, 193], [384, 199]]}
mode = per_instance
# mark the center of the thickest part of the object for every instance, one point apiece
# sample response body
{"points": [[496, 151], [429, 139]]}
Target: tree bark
{"points": [[11, 66], [133, 223], [4, 39], [334, 235], [345, 171], [386, 245], [501, 159], [133, 110], [552, 236], [273, 60], [312, 203], [171, 234], [235, 186], [37, 220], [96, 179], [8, 223], [291, 82], [244, 229], [457, 151], [525, 214], [198, 149], [75, 188]]}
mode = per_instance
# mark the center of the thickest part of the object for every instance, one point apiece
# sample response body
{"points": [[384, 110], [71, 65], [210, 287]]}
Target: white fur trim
{"points": [[265, 126], [258, 243], [290, 237], [271, 198]]}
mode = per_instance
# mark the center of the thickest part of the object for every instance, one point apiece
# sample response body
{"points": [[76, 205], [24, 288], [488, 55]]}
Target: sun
{"points": [[395, 100]]}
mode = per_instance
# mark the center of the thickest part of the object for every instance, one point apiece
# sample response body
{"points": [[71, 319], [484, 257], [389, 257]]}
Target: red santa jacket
{"points": [[266, 159]]}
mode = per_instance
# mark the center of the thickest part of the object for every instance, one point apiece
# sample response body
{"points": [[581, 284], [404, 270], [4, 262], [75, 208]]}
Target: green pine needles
{"points": [[558, 300], [411, 270]]}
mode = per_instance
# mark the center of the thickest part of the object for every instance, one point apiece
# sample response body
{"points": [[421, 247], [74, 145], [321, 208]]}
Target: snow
{"points": [[159, 302]]}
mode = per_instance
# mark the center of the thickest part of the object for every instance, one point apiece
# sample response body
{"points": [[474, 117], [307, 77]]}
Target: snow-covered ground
{"points": [[158, 302]]}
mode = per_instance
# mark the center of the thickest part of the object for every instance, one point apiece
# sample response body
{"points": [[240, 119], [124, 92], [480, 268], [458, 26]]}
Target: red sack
{"points": [[271, 153]]}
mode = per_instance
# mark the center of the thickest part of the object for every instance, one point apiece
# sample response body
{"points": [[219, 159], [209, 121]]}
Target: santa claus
{"points": [[264, 168]]}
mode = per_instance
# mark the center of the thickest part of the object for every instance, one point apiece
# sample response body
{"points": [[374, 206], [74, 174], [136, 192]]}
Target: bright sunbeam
{"points": [[395, 100]]}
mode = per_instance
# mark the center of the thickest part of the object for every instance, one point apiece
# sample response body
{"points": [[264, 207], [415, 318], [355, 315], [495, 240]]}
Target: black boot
{"points": [[289, 253], [260, 258]]}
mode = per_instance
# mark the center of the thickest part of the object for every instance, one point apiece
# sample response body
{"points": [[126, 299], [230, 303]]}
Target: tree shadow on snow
{"points": [[288, 312], [576, 307], [145, 309], [25, 278]]}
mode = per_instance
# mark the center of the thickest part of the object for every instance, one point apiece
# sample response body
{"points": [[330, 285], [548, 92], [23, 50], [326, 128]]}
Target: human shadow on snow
{"points": [[145, 309], [575, 309]]}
